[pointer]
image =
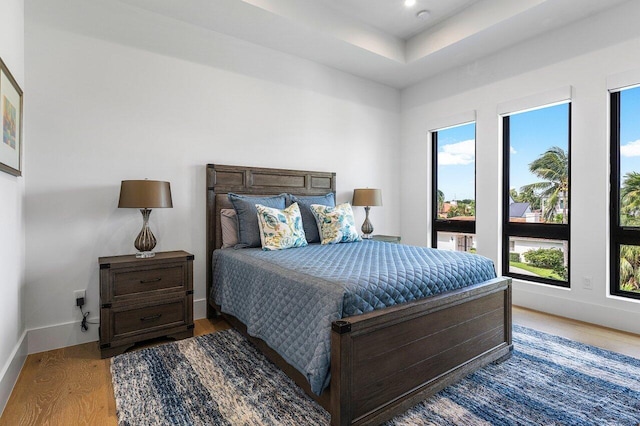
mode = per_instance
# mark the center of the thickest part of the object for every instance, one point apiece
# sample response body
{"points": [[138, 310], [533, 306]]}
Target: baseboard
{"points": [[61, 335], [55, 337], [69, 334], [605, 316], [11, 370]]}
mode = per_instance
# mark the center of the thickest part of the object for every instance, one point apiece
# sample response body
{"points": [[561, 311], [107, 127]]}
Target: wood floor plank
{"points": [[602, 337], [72, 386], [65, 386]]}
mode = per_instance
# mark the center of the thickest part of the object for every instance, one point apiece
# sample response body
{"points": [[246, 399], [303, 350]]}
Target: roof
{"points": [[519, 209]]}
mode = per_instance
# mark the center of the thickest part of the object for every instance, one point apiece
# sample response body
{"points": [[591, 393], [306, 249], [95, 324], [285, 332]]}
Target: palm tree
{"points": [[528, 196], [629, 268], [455, 211], [553, 168], [470, 208], [440, 201], [630, 199], [630, 212]]}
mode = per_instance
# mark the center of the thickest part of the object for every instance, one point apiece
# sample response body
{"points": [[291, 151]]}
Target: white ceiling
{"points": [[392, 17], [380, 40]]}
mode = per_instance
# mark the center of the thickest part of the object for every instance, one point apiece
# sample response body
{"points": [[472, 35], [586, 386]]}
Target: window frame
{"points": [[550, 231], [618, 234], [449, 225]]}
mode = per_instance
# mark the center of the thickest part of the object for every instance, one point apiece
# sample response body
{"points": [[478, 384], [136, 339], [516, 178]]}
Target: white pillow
{"points": [[280, 229], [335, 224], [229, 226]]}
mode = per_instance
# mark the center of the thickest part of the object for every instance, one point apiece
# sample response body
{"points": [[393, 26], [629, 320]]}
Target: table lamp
{"points": [[145, 195], [367, 197]]}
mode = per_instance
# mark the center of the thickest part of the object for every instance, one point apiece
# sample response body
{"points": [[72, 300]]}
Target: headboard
{"points": [[253, 181]]}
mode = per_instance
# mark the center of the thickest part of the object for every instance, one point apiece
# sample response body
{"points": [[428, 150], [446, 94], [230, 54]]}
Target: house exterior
{"points": [[518, 212]]}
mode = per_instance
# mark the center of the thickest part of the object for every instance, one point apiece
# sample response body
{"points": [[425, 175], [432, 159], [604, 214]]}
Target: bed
{"points": [[386, 360]]}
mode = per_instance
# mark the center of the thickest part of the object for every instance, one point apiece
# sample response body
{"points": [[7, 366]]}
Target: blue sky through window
{"points": [[629, 131], [532, 133], [457, 162]]}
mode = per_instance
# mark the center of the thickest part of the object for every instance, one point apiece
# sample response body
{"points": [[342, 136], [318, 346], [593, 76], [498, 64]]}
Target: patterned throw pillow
{"points": [[281, 229], [335, 224]]}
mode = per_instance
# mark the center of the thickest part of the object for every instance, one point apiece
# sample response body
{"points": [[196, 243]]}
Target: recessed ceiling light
{"points": [[409, 3], [423, 14]]}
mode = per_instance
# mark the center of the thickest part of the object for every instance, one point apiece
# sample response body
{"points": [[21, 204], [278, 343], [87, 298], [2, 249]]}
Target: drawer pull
{"points": [[150, 318], [155, 280]]}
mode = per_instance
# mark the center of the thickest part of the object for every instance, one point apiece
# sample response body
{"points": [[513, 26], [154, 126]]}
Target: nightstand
{"points": [[142, 299], [387, 238]]}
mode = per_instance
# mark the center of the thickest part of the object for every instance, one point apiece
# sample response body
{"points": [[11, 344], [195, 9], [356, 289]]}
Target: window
{"points": [[536, 194], [625, 193], [454, 188]]}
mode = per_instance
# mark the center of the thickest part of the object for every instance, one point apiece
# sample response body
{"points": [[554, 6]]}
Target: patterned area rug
{"points": [[221, 379]]}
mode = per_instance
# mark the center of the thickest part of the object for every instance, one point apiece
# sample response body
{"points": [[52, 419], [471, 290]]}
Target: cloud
{"points": [[458, 154], [512, 150], [631, 149]]}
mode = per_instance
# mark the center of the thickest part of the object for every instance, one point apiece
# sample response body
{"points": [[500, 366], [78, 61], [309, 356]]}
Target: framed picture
{"points": [[10, 123]]}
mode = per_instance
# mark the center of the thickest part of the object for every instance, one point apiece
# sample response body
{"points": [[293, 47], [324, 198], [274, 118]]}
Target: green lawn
{"points": [[540, 272]]}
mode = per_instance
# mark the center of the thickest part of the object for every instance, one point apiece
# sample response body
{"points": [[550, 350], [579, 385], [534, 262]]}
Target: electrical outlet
{"points": [[587, 283], [79, 294]]}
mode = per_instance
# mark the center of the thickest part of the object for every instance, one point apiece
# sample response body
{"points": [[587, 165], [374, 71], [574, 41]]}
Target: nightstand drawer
{"points": [[135, 281], [137, 320], [144, 298]]}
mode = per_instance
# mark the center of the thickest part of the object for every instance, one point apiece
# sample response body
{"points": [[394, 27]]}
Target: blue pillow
{"points": [[247, 213], [308, 219]]}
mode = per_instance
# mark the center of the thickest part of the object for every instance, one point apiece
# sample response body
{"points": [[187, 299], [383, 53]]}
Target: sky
{"points": [[456, 162], [532, 133], [629, 131]]}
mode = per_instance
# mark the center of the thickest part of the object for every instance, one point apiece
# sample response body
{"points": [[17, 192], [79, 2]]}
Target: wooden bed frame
{"points": [[386, 361]]}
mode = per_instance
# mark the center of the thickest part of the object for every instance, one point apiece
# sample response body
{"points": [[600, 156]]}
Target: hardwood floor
{"points": [[606, 338], [72, 386]]}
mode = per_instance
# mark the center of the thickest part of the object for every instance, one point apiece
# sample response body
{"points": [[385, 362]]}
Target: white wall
{"points": [[582, 55], [12, 349], [119, 93]]}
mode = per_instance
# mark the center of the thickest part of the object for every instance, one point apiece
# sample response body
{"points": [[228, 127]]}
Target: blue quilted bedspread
{"points": [[289, 298]]}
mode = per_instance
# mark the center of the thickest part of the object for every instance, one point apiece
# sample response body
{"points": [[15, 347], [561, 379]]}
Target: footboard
{"points": [[386, 361]]}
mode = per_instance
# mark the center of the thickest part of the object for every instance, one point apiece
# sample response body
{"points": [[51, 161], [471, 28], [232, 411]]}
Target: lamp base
{"points": [[145, 254], [145, 242], [367, 227]]}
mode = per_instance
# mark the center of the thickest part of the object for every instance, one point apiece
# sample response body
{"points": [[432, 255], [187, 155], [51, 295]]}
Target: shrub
{"points": [[546, 258], [514, 257]]}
